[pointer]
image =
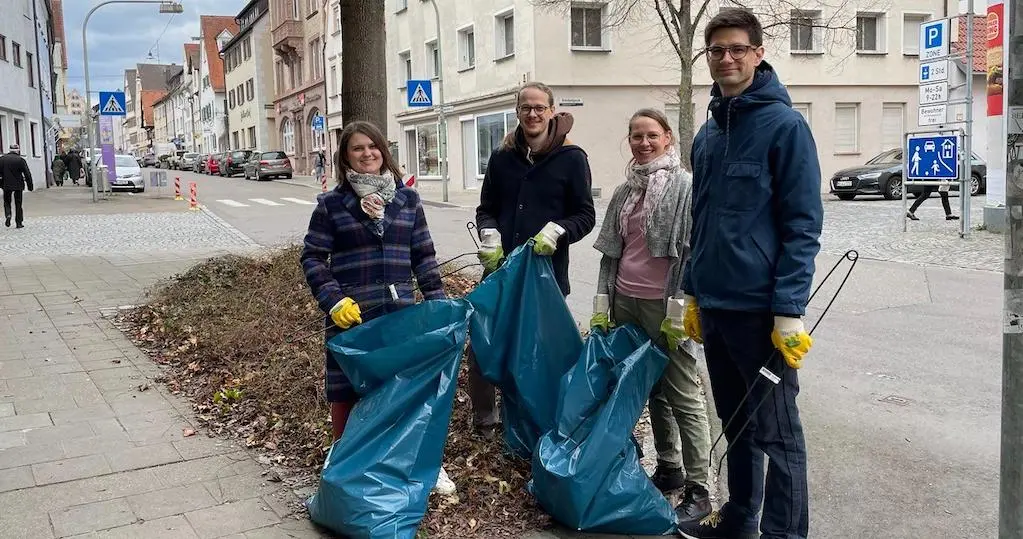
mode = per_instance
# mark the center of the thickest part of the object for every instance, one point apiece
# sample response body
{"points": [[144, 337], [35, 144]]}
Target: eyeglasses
{"points": [[524, 110], [737, 52]]}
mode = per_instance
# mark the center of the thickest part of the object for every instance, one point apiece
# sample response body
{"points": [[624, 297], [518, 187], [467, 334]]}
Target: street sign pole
{"points": [[1010, 492], [966, 179]]}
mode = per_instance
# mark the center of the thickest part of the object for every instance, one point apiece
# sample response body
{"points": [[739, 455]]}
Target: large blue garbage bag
{"points": [[377, 478], [525, 340], [586, 471]]}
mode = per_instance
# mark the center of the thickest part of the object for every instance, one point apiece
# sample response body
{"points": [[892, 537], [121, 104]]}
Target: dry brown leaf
{"points": [[187, 433]]}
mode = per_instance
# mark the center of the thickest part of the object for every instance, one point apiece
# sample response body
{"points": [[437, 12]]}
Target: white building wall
{"points": [[19, 105], [333, 73]]}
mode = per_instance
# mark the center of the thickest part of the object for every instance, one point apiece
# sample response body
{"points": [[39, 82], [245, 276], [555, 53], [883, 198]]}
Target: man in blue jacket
{"points": [[757, 218]]}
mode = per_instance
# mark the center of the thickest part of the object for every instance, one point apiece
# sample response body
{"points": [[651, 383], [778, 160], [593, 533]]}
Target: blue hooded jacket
{"points": [[757, 211]]}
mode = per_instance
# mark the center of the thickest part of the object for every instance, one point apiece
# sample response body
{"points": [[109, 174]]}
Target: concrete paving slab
{"points": [[70, 469], [16, 478], [26, 421], [143, 457], [171, 501], [234, 517], [91, 517], [174, 527]]}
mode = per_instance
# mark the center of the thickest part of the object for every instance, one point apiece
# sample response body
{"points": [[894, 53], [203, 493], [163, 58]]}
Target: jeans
{"points": [[737, 344], [19, 214], [678, 415]]}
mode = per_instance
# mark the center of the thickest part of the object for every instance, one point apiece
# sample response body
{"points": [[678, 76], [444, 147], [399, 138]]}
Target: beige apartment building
{"points": [[858, 89], [248, 65], [297, 36]]}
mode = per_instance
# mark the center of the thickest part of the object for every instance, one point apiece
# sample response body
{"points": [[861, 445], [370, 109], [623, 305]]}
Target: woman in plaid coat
{"points": [[367, 238]]}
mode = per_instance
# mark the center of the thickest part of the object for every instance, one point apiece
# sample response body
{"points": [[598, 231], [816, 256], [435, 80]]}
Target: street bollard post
{"points": [[193, 199], [177, 188]]}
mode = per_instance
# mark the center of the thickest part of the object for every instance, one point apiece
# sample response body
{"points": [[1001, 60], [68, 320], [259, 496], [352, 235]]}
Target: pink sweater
{"points": [[640, 275]]}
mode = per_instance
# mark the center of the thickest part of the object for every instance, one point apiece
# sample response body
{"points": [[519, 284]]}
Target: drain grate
{"points": [[895, 399]]}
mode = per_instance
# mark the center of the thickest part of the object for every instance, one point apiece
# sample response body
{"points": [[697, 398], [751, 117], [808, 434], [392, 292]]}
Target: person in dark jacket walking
{"points": [[537, 186], [58, 168], [367, 238], [757, 219], [14, 177], [74, 166]]}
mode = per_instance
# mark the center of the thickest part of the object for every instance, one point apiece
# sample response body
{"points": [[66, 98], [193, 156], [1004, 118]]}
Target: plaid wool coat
{"points": [[344, 257]]}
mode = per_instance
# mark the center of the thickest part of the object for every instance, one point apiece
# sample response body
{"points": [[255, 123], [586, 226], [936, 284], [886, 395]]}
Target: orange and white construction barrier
{"points": [[323, 181], [193, 199], [177, 188]]}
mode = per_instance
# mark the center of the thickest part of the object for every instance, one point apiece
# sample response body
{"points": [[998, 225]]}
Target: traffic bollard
{"points": [[193, 200], [177, 188], [323, 182]]}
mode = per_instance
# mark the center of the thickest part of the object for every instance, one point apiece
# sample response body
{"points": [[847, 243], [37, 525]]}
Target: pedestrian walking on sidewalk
{"points": [[321, 166], [645, 244], [352, 258], [57, 166], [14, 177], [928, 190], [74, 166], [536, 186], [757, 218]]}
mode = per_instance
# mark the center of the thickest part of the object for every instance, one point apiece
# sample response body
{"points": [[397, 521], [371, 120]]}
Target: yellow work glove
{"points": [[346, 313], [791, 339], [691, 320], [600, 321], [546, 241], [491, 258], [673, 333]]}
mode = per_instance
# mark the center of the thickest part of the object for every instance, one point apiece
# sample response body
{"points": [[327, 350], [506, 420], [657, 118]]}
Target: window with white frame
{"points": [[490, 131], [337, 18], [847, 127], [288, 136], [405, 67], [804, 34], [587, 22], [911, 32], [870, 32], [428, 150], [466, 48], [804, 110], [411, 155], [893, 117], [334, 90], [432, 59], [504, 29], [33, 129], [252, 137], [400, 5]]}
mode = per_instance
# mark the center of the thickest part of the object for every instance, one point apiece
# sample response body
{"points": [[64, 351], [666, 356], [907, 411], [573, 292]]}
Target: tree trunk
{"points": [[364, 65], [686, 122]]}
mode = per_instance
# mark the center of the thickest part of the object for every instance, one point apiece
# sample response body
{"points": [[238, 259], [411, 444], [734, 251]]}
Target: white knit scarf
{"points": [[650, 180]]}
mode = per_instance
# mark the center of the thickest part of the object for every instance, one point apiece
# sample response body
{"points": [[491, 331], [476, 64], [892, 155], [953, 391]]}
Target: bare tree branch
{"points": [[668, 27]]}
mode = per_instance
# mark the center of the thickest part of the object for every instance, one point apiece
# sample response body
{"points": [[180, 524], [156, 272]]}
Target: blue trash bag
{"points": [[586, 471], [377, 478], [525, 340]]}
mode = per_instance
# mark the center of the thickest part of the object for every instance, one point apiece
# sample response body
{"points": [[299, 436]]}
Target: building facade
{"points": [[248, 65], [186, 115], [856, 88], [24, 118], [297, 36], [130, 139], [333, 80], [215, 32]]}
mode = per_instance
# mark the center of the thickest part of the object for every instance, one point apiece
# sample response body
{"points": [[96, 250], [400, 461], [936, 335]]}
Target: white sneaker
{"points": [[445, 486]]}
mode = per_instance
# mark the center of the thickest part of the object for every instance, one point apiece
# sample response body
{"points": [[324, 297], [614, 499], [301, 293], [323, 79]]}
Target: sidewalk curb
{"points": [[426, 202]]}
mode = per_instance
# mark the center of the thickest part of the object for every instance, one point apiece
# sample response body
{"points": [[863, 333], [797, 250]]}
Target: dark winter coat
{"points": [[74, 165], [519, 197], [14, 173], [757, 211]]}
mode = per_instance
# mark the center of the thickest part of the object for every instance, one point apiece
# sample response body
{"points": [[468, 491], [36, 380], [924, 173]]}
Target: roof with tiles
{"points": [[979, 42], [192, 56], [212, 26]]}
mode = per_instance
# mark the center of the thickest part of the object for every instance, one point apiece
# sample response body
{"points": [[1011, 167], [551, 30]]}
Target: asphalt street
{"points": [[900, 396]]}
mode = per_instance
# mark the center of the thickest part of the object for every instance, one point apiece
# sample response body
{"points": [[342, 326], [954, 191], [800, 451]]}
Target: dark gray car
{"points": [[266, 165], [882, 175]]}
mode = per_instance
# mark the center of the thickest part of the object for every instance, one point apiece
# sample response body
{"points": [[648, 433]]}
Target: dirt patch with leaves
{"points": [[241, 337]]}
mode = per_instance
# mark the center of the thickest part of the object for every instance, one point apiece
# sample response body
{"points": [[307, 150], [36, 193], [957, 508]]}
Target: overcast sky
{"points": [[122, 35]]}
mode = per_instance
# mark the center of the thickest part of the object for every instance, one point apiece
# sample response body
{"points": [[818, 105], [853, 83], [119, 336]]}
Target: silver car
{"points": [[129, 175], [266, 165]]}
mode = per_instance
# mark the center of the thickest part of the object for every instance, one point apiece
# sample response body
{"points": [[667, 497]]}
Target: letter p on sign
{"points": [[933, 36]]}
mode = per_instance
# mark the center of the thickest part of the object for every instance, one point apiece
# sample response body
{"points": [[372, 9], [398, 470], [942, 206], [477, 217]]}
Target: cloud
{"points": [[122, 35]]}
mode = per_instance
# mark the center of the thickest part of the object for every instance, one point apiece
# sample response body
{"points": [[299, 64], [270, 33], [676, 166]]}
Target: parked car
{"points": [[273, 164], [129, 175], [234, 162], [200, 163], [150, 160], [213, 164], [188, 161], [882, 175]]}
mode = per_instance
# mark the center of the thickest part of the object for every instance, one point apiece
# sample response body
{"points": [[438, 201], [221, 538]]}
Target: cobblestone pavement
{"points": [[116, 234]]}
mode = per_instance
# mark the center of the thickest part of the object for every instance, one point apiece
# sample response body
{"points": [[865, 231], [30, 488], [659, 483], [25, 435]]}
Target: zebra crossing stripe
{"points": [[299, 201], [233, 203], [265, 202]]}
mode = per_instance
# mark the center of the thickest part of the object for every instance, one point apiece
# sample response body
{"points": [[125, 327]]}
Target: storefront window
{"points": [[288, 135], [428, 149], [490, 132]]}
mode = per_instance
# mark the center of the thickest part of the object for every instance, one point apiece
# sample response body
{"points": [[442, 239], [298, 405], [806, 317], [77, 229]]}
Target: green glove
{"points": [[600, 321], [491, 258], [674, 334], [546, 242]]}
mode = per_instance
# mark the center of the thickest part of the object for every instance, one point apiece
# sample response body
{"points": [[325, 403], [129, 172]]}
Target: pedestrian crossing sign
{"points": [[111, 104], [420, 93]]}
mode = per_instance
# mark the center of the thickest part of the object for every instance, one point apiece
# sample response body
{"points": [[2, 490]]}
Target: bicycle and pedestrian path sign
{"points": [[112, 104], [933, 157]]}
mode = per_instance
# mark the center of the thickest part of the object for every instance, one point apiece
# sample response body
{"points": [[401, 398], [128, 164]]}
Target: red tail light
{"points": [[229, 161], [287, 161], [264, 162]]}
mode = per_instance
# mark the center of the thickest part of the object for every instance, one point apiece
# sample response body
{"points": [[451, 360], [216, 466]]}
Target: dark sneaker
{"points": [[7, 222], [951, 217], [667, 478], [695, 503], [713, 527], [19, 225], [911, 217]]}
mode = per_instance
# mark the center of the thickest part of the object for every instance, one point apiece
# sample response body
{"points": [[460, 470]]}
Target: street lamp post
{"points": [[442, 131], [165, 7]]}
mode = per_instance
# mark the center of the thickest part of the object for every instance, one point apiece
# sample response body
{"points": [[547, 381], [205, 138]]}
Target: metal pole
{"points": [[1010, 493], [88, 95], [905, 179], [442, 130], [965, 197]]}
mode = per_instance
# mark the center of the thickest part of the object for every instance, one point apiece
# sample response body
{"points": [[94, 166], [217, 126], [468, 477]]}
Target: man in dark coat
{"points": [[14, 177], [74, 166], [537, 186]]}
